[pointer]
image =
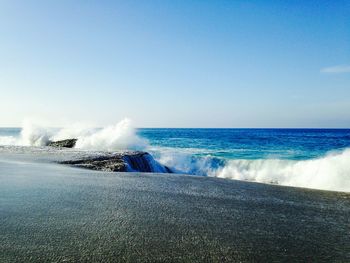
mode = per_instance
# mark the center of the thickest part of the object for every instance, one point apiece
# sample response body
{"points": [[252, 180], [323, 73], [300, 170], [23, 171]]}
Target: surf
{"points": [[329, 171]]}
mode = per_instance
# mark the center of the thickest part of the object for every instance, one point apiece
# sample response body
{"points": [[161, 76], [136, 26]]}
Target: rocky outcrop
{"points": [[121, 162], [101, 163], [69, 143]]}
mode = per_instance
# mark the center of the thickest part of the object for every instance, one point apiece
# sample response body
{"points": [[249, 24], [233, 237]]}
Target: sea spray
{"points": [[34, 135], [9, 140], [263, 155], [121, 136], [331, 172]]}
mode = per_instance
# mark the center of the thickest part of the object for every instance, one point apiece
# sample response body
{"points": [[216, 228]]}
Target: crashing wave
{"points": [[121, 136], [331, 172]]}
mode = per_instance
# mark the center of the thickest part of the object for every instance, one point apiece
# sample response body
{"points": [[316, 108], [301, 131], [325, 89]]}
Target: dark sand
{"points": [[52, 213]]}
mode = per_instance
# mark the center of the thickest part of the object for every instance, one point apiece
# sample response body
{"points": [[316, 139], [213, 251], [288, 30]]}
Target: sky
{"points": [[177, 63]]}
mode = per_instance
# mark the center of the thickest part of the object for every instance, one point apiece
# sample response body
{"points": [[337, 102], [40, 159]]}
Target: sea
{"points": [[312, 158]]}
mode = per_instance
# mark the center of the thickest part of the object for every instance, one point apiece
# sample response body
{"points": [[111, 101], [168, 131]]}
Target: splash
{"points": [[331, 172], [8, 140], [121, 136], [34, 135]]}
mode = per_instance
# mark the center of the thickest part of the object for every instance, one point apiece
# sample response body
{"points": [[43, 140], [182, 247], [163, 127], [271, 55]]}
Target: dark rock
{"points": [[101, 163], [121, 162], [69, 143]]}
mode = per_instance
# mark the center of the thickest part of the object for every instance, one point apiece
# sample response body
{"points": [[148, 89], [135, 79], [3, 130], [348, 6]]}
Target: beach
{"points": [[174, 131], [55, 213]]}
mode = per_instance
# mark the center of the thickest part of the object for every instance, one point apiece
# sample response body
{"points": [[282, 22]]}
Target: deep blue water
{"points": [[295, 144], [314, 158]]}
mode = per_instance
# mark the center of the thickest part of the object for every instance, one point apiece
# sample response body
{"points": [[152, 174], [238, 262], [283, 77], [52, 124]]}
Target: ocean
{"points": [[313, 158]]}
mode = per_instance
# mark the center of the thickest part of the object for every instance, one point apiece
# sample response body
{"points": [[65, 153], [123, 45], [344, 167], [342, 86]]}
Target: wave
{"points": [[330, 172], [121, 136], [8, 140]]}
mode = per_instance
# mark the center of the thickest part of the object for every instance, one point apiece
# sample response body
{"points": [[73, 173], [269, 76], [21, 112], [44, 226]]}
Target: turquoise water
{"points": [[293, 144], [290, 144], [313, 158]]}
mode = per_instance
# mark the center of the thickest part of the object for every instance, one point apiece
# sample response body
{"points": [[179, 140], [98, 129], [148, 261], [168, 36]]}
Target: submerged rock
{"points": [[69, 143], [104, 163], [121, 162]]}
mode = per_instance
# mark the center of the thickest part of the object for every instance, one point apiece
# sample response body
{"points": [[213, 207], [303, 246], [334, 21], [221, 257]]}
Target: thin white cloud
{"points": [[337, 69]]}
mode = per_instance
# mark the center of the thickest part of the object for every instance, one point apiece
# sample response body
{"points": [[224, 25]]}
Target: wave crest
{"points": [[121, 136], [331, 172], [34, 135]]}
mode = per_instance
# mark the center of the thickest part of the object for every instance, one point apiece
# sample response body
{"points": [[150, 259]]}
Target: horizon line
{"points": [[289, 128]]}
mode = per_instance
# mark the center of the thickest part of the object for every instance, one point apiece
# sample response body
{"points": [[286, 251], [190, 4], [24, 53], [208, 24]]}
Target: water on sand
{"points": [[55, 213]]}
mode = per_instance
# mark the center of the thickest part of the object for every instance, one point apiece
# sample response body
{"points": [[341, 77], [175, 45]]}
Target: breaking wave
{"points": [[121, 136], [330, 172]]}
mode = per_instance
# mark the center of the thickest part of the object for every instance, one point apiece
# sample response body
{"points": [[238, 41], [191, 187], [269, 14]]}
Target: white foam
{"points": [[331, 172], [8, 140], [183, 162], [34, 135], [120, 136]]}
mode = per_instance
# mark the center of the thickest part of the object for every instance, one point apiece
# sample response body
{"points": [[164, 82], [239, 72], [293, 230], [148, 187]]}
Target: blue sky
{"points": [[176, 63]]}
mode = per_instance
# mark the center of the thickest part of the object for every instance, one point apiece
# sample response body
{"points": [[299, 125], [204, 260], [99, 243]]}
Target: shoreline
{"points": [[108, 161], [52, 212], [81, 159]]}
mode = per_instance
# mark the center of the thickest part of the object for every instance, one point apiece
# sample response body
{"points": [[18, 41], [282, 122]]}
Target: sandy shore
{"points": [[54, 213]]}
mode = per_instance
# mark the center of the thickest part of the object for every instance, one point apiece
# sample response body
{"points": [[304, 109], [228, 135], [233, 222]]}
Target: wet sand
{"points": [[54, 213]]}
